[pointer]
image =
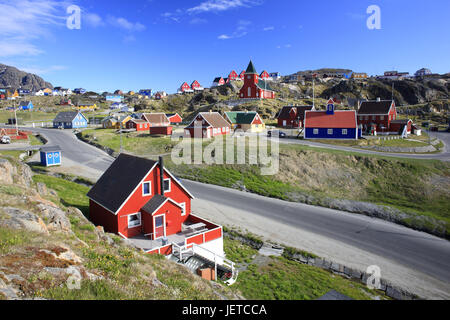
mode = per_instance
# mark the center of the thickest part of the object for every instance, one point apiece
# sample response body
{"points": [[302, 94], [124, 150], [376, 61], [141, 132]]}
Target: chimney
{"points": [[161, 174], [378, 99]]}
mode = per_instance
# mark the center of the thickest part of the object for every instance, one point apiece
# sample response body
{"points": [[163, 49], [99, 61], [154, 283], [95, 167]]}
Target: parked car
{"points": [[281, 134], [5, 140]]}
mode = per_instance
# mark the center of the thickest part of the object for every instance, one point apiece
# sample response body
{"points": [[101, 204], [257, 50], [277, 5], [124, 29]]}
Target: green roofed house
{"points": [[248, 121]]}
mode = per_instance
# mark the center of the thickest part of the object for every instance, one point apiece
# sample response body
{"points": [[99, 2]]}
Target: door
{"points": [[284, 123], [159, 223], [50, 159], [56, 158]]}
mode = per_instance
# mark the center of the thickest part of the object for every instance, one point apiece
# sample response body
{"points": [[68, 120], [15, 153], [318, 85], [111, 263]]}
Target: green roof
{"points": [[263, 84], [241, 117], [251, 68]]}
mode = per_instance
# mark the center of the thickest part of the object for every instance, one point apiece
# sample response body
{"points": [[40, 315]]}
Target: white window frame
{"points": [[330, 131], [149, 188], [137, 225], [170, 184], [183, 208], [344, 132], [315, 131]]}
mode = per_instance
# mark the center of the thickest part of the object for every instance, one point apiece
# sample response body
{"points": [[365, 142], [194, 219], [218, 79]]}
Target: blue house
{"points": [[26, 105], [331, 124], [146, 92], [70, 120], [79, 91], [24, 92], [51, 156]]}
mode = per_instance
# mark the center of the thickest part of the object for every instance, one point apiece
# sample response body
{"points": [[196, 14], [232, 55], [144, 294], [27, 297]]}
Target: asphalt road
{"points": [[419, 251], [413, 249]]}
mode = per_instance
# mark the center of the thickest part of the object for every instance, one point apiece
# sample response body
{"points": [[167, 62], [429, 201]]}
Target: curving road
{"points": [[415, 260]]}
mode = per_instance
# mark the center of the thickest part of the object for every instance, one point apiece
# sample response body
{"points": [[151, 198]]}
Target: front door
{"points": [[159, 223], [50, 159]]}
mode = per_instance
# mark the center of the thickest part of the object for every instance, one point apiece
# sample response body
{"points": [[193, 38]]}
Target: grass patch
{"points": [[70, 193], [282, 279], [237, 252], [10, 238], [90, 290]]}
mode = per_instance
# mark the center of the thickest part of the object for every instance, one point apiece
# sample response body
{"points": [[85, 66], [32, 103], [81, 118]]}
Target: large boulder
{"points": [[7, 172], [56, 218], [22, 220]]}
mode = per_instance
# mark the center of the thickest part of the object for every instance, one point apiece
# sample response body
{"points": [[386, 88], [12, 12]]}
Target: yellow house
{"points": [[121, 121], [109, 123], [247, 121], [131, 93], [48, 91], [10, 94], [86, 106]]}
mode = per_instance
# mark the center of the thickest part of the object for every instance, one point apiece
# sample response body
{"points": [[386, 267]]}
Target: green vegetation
{"points": [[281, 279], [237, 252], [278, 278], [10, 238], [70, 193]]}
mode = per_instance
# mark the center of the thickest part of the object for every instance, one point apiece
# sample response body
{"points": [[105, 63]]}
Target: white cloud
{"points": [[93, 20], [125, 24], [269, 28], [198, 21], [241, 31], [42, 71], [222, 5], [24, 21]]}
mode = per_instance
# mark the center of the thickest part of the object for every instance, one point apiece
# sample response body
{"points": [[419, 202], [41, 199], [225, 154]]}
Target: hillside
{"points": [[15, 78]]}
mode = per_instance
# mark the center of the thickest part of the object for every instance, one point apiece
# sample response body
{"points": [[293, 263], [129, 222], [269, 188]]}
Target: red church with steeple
{"points": [[255, 87]]}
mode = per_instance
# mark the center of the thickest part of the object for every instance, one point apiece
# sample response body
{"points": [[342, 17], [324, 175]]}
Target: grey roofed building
{"points": [[375, 107], [66, 116]]}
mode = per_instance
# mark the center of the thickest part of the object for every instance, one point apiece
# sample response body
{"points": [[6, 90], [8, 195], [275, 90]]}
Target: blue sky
{"points": [[157, 44]]}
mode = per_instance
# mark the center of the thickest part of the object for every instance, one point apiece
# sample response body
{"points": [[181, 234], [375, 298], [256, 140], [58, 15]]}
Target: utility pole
{"points": [[15, 118], [121, 139]]}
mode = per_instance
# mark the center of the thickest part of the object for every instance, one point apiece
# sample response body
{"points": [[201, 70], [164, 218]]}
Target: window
{"points": [[134, 220], [147, 188], [344, 132], [249, 91], [367, 117], [159, 221], [167, 185], [183, 208], [330, 131], [382, 118], [316, 131]]}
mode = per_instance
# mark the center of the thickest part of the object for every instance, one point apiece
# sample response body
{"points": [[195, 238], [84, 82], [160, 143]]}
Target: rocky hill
{"points": [[15, 78]]}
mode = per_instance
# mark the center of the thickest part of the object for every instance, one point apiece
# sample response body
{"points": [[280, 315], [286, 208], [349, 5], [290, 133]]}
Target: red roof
{"points": [[340, 119]]}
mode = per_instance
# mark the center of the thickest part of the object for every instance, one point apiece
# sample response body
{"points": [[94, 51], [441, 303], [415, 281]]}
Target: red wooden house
{"points": [[219, 81], [174, 118], [140, 200], [376, 115], [185, 88], [137, 124], [242, 75], [264, 75], [292, 116], [254, 87], [233, 76], [158, 123], [207, 125], [397, 126], [196, 86]]}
